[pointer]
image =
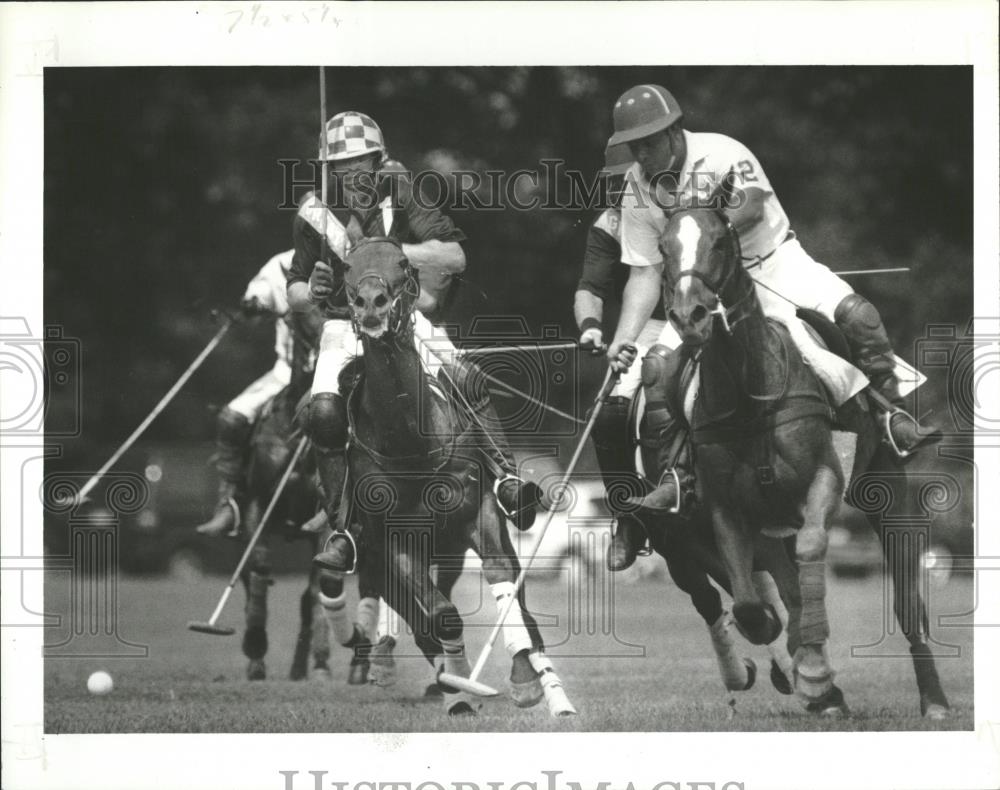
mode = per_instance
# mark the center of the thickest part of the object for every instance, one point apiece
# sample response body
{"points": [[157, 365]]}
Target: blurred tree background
{"points": [[162, 188]]}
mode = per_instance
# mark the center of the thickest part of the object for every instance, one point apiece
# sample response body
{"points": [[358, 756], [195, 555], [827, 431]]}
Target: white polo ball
{"points": [[100, 683]]}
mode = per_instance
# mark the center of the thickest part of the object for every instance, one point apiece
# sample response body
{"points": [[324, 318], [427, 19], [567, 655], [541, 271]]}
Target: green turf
{"points": [[195, 683]]}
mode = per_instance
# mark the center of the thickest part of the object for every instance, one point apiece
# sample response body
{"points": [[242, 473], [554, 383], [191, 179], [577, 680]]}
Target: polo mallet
{"points": [[210, 627], [471, 683], [159, 407]]}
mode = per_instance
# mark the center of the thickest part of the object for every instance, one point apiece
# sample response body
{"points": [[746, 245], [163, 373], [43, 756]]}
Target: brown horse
{"points": [[419, 483], [761, 425]]}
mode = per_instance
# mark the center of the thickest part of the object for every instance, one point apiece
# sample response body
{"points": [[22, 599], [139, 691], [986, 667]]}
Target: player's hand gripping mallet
{"points": [[210, 627], [471, 684]]}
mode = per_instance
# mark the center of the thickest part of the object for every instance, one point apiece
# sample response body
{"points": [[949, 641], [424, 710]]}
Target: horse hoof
{"points": [[936, 712], [751, 666], [255, 643], [527, 694], [357, 674], [382, 665], [322, 674], [831, 706], [297, 672], [780, 680], [256, 670], [758, 623]]}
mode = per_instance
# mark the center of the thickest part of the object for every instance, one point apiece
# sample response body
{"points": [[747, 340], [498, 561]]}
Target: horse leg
{"points": [[758, 622], [688, 573], [256, 580], [532, 675], [813, 673], [775, 578], [908, 603], [304, 641], [437, 628]]}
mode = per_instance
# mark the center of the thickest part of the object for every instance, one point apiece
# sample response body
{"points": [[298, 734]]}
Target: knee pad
{"points": [[327, 425], [445, 622], [661, 368], [612, 423], [232, 427], [855, 310]]}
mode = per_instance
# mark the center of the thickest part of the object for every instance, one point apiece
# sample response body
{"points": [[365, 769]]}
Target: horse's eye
{"points": [[381, 300]]}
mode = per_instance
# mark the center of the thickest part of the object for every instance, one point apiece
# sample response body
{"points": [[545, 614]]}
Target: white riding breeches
{"points": [[801, 282], [339, 343], [251, 402]]}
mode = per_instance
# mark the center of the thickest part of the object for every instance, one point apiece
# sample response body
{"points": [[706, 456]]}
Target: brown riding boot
{"points": [[340, 555], [626, 543], [666, 436], [232, 447], [862, 325], [614, 451]]}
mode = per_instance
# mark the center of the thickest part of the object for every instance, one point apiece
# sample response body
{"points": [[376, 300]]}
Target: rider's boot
{"points": [[232, 447], [613, 447], [517, 498], [666, 436], [862, 325], [327, 429]]}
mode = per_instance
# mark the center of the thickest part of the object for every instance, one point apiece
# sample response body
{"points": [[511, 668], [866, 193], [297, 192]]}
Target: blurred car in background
{"points": [[156, 532]]}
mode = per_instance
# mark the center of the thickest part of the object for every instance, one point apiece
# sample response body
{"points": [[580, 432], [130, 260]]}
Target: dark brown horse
{"points": [[419, 484], [762, 424]]}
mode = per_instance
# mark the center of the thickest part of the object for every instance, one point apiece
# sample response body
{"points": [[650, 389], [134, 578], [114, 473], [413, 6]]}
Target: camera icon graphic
{"points": [[41, 381], [968, 360]]}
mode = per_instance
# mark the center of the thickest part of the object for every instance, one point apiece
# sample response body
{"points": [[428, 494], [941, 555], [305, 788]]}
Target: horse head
{"points": [[381, 288], [702, 267]]}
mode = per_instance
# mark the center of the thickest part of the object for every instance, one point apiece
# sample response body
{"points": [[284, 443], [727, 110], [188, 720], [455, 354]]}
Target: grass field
{"points": [[647, 667]]}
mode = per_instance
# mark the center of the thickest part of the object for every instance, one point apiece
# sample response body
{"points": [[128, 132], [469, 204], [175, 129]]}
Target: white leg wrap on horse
{"points": [[555, 695], [335, 610], [515, 634], [814, 628], [454, 660], [731, 666], [388, 621], [367, 619]]}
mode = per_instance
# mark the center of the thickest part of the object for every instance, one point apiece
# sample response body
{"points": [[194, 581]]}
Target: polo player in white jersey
{"points": [[677, 169], [265, 294]]}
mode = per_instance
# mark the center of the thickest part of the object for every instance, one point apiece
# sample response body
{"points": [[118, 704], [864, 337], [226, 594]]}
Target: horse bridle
{"points": [[740, 309], [398, 317]]}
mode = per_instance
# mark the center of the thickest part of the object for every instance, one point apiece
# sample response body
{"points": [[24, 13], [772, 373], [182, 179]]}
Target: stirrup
{"points": [[235, 531], [511, 516], [890, 439], [677, 486], [354, 549]]}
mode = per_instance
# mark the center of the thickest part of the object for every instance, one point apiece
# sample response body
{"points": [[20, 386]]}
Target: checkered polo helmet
{"points": [[350, 134]]}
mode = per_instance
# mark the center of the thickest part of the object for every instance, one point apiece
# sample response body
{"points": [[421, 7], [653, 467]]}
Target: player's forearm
{"points": [[587, 306], [642, 293], [446, 257]]}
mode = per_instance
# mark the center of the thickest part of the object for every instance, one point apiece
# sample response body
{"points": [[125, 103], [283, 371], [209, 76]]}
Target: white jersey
{"points": [[710, 159], [270, 289]]}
